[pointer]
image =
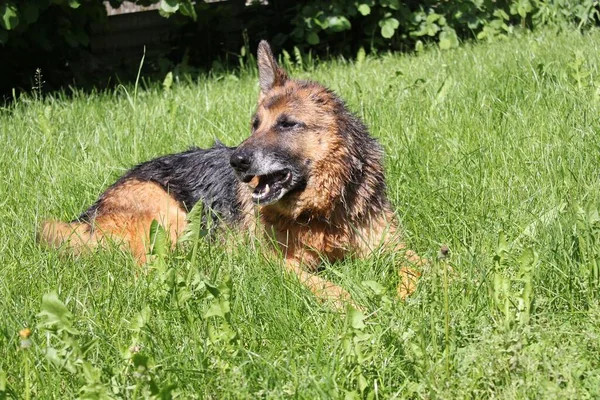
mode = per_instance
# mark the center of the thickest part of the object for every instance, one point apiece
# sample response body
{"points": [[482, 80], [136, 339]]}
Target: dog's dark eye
{"points": [[255, 123], [288, 124]]}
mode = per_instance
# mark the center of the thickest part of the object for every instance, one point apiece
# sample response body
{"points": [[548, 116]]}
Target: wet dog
{"points": [[309, 170]]}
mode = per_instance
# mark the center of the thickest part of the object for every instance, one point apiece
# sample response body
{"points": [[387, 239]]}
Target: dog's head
{"points": [[296, 155]]}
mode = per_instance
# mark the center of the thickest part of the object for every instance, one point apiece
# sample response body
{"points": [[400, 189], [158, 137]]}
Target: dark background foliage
{"points": [[74, 42]]}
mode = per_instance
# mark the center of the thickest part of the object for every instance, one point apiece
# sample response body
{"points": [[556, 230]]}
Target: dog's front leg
{"points": [[323, 289]]}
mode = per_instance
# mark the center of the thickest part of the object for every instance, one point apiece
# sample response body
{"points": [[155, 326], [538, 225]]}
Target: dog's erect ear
{"points": [[269, 73]]}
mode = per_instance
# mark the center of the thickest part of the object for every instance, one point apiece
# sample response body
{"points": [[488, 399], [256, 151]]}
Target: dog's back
{"points": [[164, 189]]}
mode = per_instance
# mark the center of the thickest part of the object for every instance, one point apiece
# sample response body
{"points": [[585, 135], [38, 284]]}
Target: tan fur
{"points": [[125, 218]]}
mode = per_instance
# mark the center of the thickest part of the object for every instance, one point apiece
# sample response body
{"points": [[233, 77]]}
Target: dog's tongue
{"points": [[253, 183]]}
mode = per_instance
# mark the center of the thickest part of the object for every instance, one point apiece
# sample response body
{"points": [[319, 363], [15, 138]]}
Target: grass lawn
{"points": [[492, 149]]}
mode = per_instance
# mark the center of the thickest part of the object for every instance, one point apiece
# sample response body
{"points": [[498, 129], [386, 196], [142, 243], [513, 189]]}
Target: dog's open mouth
{"points": [[271, 187]]}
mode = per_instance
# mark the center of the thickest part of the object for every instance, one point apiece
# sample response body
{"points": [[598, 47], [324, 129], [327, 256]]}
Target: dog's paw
{"points": [[409, 273], [414, 266], [408, 282]]}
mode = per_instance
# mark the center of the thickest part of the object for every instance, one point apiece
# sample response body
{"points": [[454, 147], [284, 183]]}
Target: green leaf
{"points": [[168, 81], [347, 345], [364, 9], [90, 373], [431, 18], [338, 23], [169, 6], [58, 359], [544, 219], [187, 9], [312, 38], [55, 315], [141, 319], [376, 287], [140, 360], [2, 381], [356, 318], [419, 46], [503, 245], [524, 7], [362, 383], [214, 311], [360, 58], [9, 18], [388, 27], [393, 4], [159, 239], [321, 22], [448, 39], [351, 395], [527, 259], [74, 3], [213, 290], [30, 12], [220, 309], [361, 337], [297, 56], [500, 13], [593, 217], [442, 91], [387, 32]]}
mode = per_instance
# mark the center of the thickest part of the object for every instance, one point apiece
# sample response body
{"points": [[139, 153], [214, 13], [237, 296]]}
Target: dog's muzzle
{"points": [[269, 181]]}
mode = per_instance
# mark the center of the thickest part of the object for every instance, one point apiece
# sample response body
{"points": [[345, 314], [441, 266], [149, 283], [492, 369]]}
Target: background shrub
{"points": [[395, 24], [54, 35]]}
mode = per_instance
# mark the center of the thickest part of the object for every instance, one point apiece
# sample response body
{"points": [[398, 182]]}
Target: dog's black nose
{"points": [[240, 161]]}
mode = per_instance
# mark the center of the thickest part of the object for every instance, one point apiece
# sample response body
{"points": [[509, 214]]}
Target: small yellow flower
{"points": [[25, 333]]}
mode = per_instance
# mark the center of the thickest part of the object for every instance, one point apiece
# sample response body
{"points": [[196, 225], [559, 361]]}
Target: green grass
{"points": [[492, 149]]}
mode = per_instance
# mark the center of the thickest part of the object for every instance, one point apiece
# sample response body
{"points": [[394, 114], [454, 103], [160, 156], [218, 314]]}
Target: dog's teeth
{"points": [[266, 190]]}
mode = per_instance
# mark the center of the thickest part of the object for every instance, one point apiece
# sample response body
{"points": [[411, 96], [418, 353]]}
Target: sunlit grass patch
{"points": [[491, 149]]}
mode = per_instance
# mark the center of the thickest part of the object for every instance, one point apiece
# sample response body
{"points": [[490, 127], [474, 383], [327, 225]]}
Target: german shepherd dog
{"points": [[309, 170]]}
